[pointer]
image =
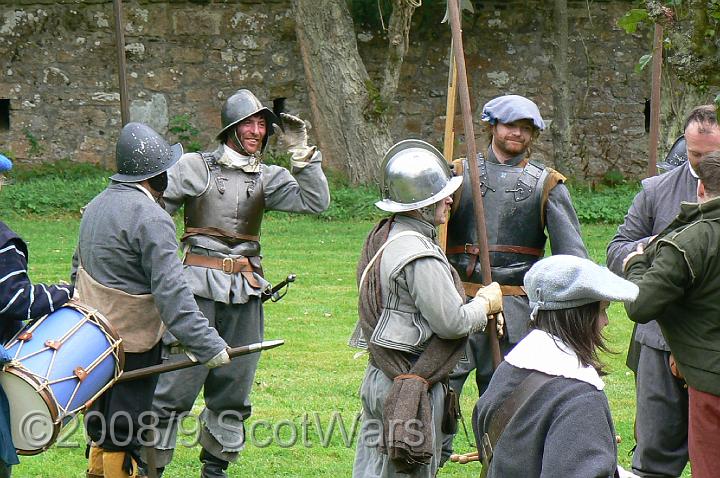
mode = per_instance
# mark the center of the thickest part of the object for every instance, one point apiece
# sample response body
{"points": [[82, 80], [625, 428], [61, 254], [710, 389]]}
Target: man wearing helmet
{"points": [[413, 317], [524, 202], [126, 266], [225, 193]]}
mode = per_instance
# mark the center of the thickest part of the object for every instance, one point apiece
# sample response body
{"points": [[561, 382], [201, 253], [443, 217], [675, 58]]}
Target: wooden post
{"points": [[655, 100], [120, 44], [464, 93], [449, 138]]}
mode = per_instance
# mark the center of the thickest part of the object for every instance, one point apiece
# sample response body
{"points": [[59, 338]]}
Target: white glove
{"points": [[294, 138], [221, 358]]}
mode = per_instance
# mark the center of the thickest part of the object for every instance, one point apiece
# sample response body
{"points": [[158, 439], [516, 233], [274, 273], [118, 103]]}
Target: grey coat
{"points": [[565, 429], [127, 242], [652, 210]]}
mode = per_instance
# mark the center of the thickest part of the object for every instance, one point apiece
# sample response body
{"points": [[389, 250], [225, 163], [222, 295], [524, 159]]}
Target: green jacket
{"points": [[679, 281]]}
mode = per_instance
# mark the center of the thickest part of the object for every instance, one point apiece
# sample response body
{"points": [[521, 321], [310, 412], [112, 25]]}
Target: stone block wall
{"points": [[59, 85]]}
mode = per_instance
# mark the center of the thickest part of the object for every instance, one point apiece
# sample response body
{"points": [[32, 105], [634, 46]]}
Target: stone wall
{"points": [[58, 72]]}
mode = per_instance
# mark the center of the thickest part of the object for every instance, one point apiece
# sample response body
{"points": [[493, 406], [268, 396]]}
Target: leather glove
{"points": [[221, 358], [294, 138], [492, 297]]}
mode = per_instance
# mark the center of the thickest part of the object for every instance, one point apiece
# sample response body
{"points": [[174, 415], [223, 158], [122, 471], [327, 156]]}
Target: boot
{"points": [[114, 465], [212, 466], [95, 462]]}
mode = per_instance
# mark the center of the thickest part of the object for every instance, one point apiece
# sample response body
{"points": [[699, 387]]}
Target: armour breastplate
{"points": [[231, 209], [512, 199]]}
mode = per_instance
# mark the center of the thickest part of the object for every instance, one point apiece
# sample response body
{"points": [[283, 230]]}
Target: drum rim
{"points": [[49, 401], [106, 325]]}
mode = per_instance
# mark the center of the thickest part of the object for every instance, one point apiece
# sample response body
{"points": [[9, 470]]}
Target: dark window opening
{"points": [[4, 114], [647, 116]]}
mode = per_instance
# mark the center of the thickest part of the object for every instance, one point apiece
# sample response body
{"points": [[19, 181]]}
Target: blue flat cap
{"points": [[509, 108], [5, 163], [564, 282]]}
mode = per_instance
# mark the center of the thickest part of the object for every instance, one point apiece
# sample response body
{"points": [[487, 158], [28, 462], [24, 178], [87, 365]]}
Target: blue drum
{"points": [[61, 364]]}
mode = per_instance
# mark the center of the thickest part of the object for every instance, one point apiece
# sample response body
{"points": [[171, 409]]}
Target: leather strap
{"points": [[506, 411], [219, 233], [229, 265], [474, 249], [507, 290]]}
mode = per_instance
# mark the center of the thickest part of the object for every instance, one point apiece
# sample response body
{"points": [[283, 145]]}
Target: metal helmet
{"points": [[243, 104], [141, 153], [677, 155], [414, 175]]}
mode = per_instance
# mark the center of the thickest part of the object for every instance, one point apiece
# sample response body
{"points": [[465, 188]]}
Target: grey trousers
{"points": [[4, 470], [661, 417], [226, 389], [369, 462]]}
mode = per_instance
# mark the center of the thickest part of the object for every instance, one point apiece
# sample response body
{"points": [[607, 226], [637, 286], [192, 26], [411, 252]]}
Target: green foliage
{"points": [[52, 189], [643, 62], [35, 147], [186, 132], [603, 204], [377, 106], [60, 189], [632, 19]]}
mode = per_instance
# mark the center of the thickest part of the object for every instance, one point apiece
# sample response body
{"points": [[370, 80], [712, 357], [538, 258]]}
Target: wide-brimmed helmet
{"points": [[141, 154], [241, 105], [414, 175], [676, 156]]}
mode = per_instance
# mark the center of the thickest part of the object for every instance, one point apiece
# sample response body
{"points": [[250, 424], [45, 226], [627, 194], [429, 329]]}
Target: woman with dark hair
{"points": [[545, 413]]}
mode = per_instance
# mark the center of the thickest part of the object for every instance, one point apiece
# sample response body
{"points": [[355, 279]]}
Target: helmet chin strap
{"points": [[255, 157]]}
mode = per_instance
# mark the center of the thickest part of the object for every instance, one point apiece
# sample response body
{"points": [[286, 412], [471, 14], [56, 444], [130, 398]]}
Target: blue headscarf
{"points": [[5, 164], [509, 108]]}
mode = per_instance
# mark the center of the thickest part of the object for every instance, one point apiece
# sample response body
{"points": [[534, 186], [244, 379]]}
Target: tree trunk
{"points": [[398, 42], [560, 129], [347, 109]]}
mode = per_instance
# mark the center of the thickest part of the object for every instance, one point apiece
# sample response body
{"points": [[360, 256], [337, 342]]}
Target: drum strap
{"points": [[505, 412]]}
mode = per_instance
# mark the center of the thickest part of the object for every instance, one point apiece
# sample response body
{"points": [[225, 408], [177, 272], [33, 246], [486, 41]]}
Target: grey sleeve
{"points": [[431, 287], [563, 226], [581, 429], [188, 178], [172, 295], [637, 228], [306, 191]]}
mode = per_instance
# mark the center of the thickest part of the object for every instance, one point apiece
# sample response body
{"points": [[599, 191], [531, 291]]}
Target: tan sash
{"points": [[135, 317]]}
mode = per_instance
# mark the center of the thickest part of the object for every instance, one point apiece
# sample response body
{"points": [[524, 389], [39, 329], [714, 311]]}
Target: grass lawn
{"points": [[314, 378]]}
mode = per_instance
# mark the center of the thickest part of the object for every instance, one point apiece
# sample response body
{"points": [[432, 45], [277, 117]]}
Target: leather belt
{"points": [[474, 249], [229, 265], [507, 290]]}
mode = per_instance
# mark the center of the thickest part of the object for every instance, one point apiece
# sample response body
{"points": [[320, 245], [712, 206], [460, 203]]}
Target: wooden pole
{"points": [[122, 79], [655, 100], [449, 138], [464, 93], [172, 366]]}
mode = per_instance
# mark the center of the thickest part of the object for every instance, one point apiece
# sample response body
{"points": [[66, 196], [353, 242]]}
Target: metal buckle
{"points": [[229, 268]]}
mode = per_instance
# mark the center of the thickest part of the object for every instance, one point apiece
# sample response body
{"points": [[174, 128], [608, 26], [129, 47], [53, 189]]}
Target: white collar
{"points": [[232, 159], [692, 171], [147, 193], [545, 353]]}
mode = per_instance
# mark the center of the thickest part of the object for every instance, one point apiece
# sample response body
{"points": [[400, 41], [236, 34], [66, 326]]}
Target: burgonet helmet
{"points": [[414, 175], [243, 104], [676, 156], [141, 154]]}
